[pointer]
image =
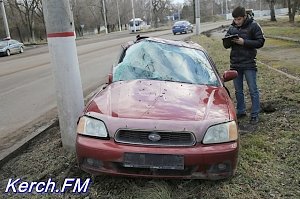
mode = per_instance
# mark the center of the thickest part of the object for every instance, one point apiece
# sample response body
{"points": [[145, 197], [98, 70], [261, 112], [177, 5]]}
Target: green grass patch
{"points": [[285, 31], [281, 54]]}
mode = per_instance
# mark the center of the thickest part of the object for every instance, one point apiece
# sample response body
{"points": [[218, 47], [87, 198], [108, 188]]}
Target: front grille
{"points": [[161, 138]]}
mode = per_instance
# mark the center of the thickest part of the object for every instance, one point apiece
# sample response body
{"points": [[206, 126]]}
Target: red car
{"points": [[164, 113]]}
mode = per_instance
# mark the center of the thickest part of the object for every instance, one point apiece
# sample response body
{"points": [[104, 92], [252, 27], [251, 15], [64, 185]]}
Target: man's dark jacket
{"points": [[244, 56]]}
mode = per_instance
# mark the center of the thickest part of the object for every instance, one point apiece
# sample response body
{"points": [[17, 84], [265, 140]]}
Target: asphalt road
{"points": [[27, 90]]}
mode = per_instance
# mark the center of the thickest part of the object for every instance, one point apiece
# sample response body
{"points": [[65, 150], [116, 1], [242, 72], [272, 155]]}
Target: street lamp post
{"points": [[5, 19]]}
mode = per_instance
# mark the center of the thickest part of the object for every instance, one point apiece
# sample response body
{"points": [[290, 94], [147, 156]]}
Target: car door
{"points": [[13, 46]]}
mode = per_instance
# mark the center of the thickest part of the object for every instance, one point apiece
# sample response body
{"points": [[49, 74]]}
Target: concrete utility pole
{"points": [[260, 12], [133, 16], [62, 48], [151, 12], [4, 19], [197, 14], [119, 16], [104, 13]]}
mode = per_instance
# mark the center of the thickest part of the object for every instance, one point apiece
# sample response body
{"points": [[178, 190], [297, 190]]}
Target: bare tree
{"points": [[292, 6], [26, 15], [28, 9], [159, 7], [272, 9]]}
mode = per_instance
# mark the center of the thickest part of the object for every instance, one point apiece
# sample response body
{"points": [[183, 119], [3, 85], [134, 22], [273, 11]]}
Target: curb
{"points": [[283, 38], [279, 71], [18, 147]]}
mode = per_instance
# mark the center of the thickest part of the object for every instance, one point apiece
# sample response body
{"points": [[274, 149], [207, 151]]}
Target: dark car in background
{"points": [[164, 113], [11, 46], [182, 27]]}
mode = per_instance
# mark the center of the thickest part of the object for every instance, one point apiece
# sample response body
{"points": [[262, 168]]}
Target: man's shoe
{"points": [[254, 120], [241, 115]]}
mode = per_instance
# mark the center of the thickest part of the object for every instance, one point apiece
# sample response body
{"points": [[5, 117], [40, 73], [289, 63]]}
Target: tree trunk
{"points": [[295, 6], [292, 6], [155, 20], [272, 10], [290, 10], [12, 9]]}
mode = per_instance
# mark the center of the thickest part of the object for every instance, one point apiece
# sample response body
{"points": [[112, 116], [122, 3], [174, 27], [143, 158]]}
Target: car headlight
{"points": [[220, 133], [92, 127]]}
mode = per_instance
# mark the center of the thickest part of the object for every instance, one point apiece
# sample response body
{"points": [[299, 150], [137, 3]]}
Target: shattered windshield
{"points": [[165, 62]]}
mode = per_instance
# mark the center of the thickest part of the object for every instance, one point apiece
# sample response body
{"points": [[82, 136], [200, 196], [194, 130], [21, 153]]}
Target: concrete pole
{"points": [[4, 19], [260, 12], [133, 16], [226, 9], [119, 16], [151, 13], [197, 13], [222, 5], [62, 48], [104, 13]]}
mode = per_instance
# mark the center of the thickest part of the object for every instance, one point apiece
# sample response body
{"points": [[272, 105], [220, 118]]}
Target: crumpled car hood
{"points": [[161, 100]]}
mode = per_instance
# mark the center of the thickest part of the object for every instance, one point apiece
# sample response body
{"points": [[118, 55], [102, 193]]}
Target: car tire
{"points": [[21, 50], [7, 52], [174, 33]]}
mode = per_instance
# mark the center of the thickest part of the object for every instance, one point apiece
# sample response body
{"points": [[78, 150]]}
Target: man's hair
{"points": [[239, 12]]}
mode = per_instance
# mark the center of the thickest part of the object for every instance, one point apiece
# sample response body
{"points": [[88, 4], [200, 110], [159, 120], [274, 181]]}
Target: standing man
{"points": [[243, 59]]}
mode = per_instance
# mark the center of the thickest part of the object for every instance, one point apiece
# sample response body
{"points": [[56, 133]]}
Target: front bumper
{"points": [[212, 162]]}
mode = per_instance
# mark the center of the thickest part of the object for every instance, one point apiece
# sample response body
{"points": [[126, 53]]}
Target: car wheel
{"points": [[21, 50], [8, 52], [174, 33]]}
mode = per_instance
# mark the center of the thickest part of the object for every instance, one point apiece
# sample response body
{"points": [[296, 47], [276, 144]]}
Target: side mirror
{"points": [[110, 78], [229, 75]]}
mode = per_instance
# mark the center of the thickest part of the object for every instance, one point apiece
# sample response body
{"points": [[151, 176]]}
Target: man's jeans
{"points": [[250, 76]]}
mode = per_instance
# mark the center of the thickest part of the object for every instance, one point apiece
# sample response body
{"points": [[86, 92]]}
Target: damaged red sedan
{"points": [[164, 113]]}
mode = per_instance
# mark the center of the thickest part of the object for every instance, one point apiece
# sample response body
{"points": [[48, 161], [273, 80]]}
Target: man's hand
{"points": [[239, 41]]}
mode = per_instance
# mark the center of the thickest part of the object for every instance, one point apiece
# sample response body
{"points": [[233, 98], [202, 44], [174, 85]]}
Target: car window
{"points": [[179, 23], [161, 61], [3, 44]]}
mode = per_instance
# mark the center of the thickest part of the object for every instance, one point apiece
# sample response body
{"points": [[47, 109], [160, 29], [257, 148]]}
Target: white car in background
{"points": [[11, 46]]}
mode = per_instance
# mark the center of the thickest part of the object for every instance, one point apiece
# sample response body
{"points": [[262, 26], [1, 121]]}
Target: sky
{"points": [[178, 1]]}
